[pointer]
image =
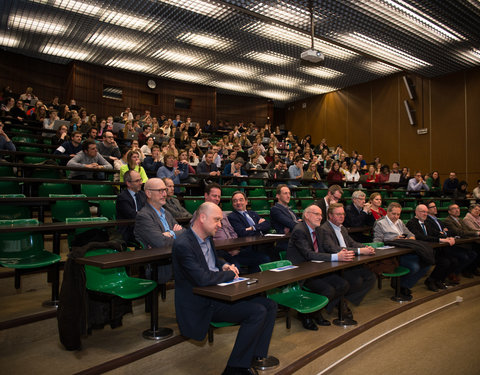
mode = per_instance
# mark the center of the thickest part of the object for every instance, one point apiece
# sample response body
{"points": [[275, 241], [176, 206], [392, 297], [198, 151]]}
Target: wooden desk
{"points": [[235, 243]]}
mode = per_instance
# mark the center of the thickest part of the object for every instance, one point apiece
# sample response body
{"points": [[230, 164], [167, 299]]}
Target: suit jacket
{"points": [[433, 233], [176, 209], [194, 312], [321, 203], [125, 207], [382, 231], [149, 229], [470, 222], [281, 218], [300, 246], [458, 228], [240, 224], [329, 241], [353, 218]]}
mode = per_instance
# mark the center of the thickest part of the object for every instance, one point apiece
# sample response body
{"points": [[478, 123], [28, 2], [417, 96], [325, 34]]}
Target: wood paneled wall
{"points": [[371, 119], [235, 108]]}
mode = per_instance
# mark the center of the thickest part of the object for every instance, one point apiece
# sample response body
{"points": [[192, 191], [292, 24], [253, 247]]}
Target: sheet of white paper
{"points": [[234, 281], [284, 268]]}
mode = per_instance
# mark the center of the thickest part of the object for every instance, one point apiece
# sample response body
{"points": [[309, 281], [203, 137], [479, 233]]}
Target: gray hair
{"points": [[358, 194]]}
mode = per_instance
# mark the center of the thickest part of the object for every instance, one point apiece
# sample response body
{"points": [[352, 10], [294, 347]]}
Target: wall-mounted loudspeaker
{"points": [[412, 94], [410, 113]]}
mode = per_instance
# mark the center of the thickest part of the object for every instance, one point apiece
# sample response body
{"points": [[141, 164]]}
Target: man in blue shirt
{"points": [[5, 142]]}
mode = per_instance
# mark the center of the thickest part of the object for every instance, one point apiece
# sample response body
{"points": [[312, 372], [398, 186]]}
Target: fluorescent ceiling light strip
{"points": [[9, 41], [379, 67], [232, 70], [202, 7], [472, 56], [183, 76], [35, 25], [129, 65], [206, 41], [422, 20], [51, 49], [270, 58], [105, 40], [177, 57], [281, 80], [281, 11], [232, 86], [283, 34], [383, 51], [125, 20], [321, 72], [319, 89], [77, 7], [274, 95]]}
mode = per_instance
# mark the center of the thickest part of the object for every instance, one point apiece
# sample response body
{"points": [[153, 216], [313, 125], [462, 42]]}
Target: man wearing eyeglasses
{"points": [[359, 214], [155, 226], [108, 148], [417, 184], [334, 195], [129, 202]]}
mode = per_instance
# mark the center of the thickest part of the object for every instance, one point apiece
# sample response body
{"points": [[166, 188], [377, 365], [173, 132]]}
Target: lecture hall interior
{"points": [[397, 81]]}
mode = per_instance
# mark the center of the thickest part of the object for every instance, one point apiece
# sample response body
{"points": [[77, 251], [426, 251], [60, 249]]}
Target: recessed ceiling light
{"points": [[182, 76], [202, 7], [319, 89], [75, 54], [105, 40], [126, 20], [129, 65], [177, 57], [35, 25], [378, 67], [270, 57], [280, 80], [232, 86], [277, 95], [8, 41], [205, 41], [232, 70], [77, 7], [321, 72]]}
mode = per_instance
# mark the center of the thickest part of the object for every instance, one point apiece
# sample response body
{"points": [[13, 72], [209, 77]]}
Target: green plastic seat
{"points": [[96, 190], [302, 192], [108, 208], [33, 159], [256, 182], [63, 209], [115, 280], [282, 255], [407, 213], [400, 194], [374, 244], [10, 187], [321, 193], [191, 205], [258, 192], [214, 325], [292, 296], [24, 250], [43, 174], [346, 193], [6, 171], [93, 220], [398, 272], [47, 188], [228, 191], [260, 204], [227, 206], [306, 202], [411, 203], [14, 212]]}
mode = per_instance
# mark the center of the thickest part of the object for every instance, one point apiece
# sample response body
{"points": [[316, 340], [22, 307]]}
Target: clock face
{"points": [[151, 83]]}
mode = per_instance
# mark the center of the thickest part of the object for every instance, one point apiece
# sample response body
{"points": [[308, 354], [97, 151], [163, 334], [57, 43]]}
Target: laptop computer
{"points": [[394, 177], [58, 123]]}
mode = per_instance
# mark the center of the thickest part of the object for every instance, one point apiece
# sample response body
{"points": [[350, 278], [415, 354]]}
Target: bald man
{"points": [[195, 264]]}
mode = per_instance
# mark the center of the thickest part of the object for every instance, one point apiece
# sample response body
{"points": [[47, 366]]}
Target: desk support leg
{"points": [[56, 242], [155, 332], [55, 270], [342, 320]]}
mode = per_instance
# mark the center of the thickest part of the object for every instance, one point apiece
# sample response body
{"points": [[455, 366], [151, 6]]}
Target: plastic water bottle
{"points": [[74, 127]]}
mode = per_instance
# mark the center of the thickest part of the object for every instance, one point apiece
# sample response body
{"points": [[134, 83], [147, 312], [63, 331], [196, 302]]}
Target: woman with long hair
{"points": [[133, 163], [376, 205]]}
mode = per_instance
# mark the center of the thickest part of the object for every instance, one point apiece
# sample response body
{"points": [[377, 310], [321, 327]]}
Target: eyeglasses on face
{"points": [[159, 190]]}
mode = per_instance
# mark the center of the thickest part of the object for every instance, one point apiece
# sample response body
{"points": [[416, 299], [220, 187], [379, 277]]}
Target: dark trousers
{"points": [[361, 280], [417, 270], [256, 317], [248, 257], [331, 286], [466, 257], [444, 265]]}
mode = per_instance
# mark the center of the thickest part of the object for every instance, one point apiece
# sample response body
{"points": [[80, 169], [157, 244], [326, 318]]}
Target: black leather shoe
{"points": [[347, 312], [431, 285], [265, 363], [309, 324], [405, 297], [321, 321], [440, 285], [405, 291], [239, 371]]}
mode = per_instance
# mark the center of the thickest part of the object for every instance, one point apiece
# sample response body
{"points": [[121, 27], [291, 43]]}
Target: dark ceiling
{"points": [[250, 47]]}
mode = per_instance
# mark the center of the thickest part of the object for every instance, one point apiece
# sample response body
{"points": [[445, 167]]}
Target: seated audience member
{"points": [[195, 264], [52, 117], [172, 204], [147, 147], [255, 168], [376, 206], [143, 136], [352, 175], [18, 112], [295, 171], [7, 106], [476, 191], [405, 176], [417, 184], [305, 245], [129, 202], [472, 218], [334, 238], [217, 158], [246, 224], [204, 142], [155, 226], [192, 158], [279, 174], [334, 194], [108, 147], [384, 174], [208, 166], [175, 173], [461, 195], [312, 174], [335, 176], [60, 136], [455, 224], [433, 182], [92, 135], [89, 158], [389, 228], [371, 175], [359, 214], [183, 159], [283, 219], [460, 258], [152, 162], [72, 147], [171, 147], [235, 169], [450, 184], [133, 164], [5, 142]]}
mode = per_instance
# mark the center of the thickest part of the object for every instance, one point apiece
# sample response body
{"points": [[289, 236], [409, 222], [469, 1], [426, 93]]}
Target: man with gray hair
{"points": [[359, 214]]}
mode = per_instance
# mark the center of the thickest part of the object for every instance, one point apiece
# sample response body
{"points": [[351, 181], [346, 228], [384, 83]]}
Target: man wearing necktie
{"points": [[248, 223], [129, 202]]}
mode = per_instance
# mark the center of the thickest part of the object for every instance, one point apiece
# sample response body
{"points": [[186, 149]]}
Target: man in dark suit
{"points": [[129, 202], [334, 194], [304, 246], [154, 226], [195, 264], [334, 238], [282, 217], [358, 214], [247, 224]]}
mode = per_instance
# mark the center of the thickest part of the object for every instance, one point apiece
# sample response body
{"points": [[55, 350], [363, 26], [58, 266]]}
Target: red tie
{"points": [[315, 244]]}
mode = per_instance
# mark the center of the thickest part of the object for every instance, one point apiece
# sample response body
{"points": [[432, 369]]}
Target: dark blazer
{"points": [[194, 312], [329, 241], [300, 246], [240, 224], [125, 207], [321, 203], [433, 234], [354, 219], [458, 228], [149, 229], [281, 218]]}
